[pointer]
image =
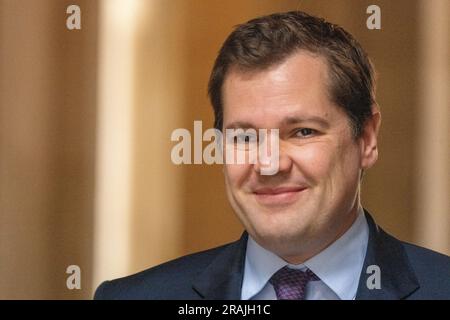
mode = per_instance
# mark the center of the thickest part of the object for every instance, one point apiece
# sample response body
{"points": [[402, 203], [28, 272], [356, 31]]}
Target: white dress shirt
{"points": [[338, 267]]}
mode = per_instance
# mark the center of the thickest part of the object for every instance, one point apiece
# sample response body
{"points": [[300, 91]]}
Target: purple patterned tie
{"points": [[290, 284]]}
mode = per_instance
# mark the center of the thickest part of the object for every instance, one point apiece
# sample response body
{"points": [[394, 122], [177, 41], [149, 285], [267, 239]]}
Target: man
{"points": [[307, 236]]}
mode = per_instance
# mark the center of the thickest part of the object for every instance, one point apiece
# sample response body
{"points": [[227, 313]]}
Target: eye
{"points": [[244, 139], [305, 132]]}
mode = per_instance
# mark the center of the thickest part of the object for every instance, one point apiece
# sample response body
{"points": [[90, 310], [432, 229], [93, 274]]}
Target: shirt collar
{"points": [[338, 266]]}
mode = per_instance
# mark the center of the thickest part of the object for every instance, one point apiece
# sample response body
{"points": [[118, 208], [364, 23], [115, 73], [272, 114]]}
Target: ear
{"points": [[369, 139]]}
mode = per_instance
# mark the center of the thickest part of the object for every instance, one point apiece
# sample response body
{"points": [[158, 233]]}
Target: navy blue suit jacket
{"points": [[407, 272]]}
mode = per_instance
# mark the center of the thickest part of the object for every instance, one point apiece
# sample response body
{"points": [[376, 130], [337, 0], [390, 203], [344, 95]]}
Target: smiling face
{"points": [[314, 196]]}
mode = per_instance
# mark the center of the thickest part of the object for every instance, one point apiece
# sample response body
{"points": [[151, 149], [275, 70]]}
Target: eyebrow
{"points": [[290, 120], [240, 125]]}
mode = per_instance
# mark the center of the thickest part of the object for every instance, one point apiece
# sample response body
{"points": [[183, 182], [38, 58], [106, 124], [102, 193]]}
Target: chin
{"points": [[285, 245], [286, 234]]}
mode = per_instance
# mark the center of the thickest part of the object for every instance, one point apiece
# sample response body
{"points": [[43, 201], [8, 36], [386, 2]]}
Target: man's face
{"points": [[313, 197]]}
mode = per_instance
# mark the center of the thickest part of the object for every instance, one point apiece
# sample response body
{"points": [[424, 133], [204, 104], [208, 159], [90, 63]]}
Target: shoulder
{"points": [[427, 261], [432, 270], [170, 280], [419, 257], [414, 272]]}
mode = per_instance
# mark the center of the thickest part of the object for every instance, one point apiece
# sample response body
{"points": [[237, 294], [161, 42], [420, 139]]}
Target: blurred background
{"points": [[86, 116]]}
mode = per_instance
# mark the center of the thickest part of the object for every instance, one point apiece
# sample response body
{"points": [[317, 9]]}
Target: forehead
{"points": [[296, 87]]}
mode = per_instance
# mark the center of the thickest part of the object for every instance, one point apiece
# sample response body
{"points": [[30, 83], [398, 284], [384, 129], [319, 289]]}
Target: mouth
{"points": [[281, 196]]}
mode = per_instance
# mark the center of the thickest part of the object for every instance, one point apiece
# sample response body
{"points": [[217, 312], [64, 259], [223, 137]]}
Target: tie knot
{"points": [[290, 284]]}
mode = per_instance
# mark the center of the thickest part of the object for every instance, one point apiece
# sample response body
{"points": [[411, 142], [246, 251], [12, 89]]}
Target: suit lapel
{"points": [[397, 276], [222, 279]]}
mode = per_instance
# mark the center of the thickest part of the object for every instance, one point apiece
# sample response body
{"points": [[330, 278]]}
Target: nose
{"points": [[284, 161]]}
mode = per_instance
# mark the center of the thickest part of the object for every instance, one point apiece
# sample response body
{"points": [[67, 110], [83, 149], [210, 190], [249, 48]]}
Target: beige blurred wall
{"points": [[58, 164], [47, 117]]}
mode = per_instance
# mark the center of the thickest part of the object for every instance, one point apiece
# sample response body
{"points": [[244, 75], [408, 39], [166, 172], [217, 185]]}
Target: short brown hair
{"points": [[268, 40]]}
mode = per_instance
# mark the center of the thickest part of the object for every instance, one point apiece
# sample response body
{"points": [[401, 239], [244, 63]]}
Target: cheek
{"points": [[235, 175], [321, 161], [349, 158], [314, 161]]}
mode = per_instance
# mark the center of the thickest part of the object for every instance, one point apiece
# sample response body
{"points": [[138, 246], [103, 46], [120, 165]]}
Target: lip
{"points": [[279, 196]]}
